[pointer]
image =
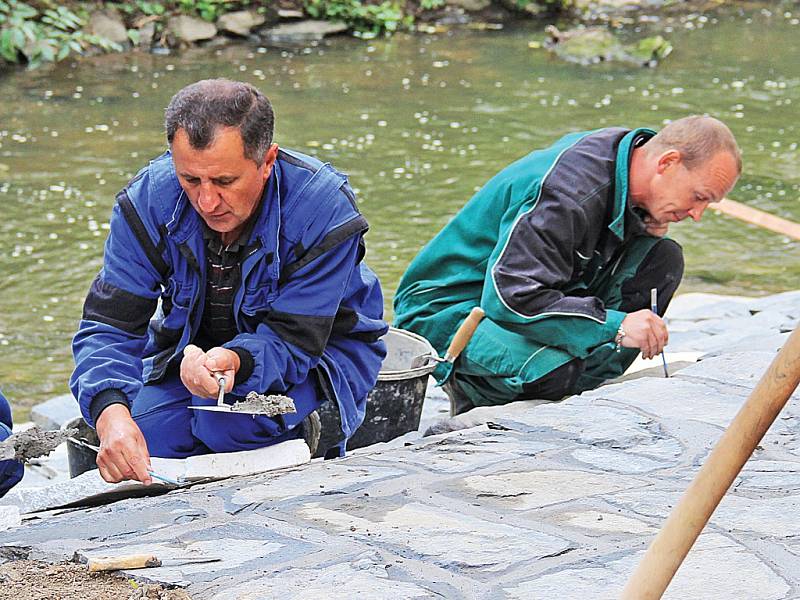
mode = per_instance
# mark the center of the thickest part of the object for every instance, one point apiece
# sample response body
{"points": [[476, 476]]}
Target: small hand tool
{"points": [[462, 337], [654, 308], [141, 561], [220, 406], [254, 404], [152, 474]]}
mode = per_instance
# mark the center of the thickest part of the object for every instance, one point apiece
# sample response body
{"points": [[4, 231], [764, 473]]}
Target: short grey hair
{"points": [[201, 108], [697, 138]]}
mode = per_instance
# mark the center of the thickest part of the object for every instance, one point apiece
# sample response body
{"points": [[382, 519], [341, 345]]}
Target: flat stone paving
{"points": [[555, 500]]}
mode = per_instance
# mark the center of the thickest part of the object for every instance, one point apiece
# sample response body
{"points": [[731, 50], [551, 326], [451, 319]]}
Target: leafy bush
{"points": [[368, 20], [209, 10], [51, 34]]}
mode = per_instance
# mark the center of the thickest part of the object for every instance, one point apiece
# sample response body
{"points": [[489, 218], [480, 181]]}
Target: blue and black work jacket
{"points": [[11, 471], [306, 300]]}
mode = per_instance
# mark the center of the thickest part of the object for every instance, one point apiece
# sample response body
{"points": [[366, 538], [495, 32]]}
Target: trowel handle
{"points": [[464, 334], [221, 383], [129, 561]]}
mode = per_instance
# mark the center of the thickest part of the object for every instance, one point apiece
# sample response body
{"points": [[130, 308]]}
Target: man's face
{"points": [[222, 185], [676, 192]]}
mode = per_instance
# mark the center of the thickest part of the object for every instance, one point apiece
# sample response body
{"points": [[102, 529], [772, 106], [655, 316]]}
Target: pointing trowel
{"points": [[141, 561]]}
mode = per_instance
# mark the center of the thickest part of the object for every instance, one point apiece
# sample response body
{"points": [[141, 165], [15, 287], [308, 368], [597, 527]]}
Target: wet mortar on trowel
{"points": [[33, 443], [271, 406]]}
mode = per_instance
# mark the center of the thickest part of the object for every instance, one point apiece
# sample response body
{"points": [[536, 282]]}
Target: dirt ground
{"points": [[33, 580]]}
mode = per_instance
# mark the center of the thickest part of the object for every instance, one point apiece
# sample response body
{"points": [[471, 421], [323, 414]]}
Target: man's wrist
{"points": [[619, 337], [105, 399], [246, 365]]}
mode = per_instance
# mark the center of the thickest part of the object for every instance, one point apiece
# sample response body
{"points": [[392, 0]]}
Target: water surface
{"points": [[418, 122]]}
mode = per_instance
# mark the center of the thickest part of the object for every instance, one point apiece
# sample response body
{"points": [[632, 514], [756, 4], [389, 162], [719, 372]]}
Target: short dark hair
{"points": [[202, 107]]}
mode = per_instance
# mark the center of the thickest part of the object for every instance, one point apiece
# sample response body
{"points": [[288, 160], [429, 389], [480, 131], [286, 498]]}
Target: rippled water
{"points": [[419, 122]]}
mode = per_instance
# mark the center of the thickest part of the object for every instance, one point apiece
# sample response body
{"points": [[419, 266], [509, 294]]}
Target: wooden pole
{"points": [[757, 217], [687, 519]]}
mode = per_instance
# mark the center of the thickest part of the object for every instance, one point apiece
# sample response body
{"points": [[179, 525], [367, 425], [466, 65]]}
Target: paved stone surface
{"points": [[528, 500], [55, 412]]}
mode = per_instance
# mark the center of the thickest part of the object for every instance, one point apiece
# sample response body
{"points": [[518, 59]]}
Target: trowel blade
{"points": [[226, 409]]}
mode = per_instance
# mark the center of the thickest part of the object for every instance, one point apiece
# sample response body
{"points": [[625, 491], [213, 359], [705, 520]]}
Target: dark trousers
{"points": [[661, 268]]}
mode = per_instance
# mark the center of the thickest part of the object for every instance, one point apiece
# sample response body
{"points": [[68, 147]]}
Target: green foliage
{"points": [[548, 6], [431, 4], [143, 7], [368, 20], [43, 35], [205, 9]]}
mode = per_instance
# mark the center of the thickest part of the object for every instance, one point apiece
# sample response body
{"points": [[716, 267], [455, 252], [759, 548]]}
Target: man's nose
{"points": [[207, 198], [696, 212]]}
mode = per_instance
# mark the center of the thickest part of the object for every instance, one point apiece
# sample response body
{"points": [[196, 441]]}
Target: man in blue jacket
{"points": [[11, 471], [248, 258]]}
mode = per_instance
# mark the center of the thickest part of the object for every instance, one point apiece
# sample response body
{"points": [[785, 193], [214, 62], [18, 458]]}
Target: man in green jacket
{"points": [[561, 249]]}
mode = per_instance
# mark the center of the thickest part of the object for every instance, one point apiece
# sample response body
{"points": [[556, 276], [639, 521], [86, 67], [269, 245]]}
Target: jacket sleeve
{"points": [[534, 259], [292, 336], [112, 333]]}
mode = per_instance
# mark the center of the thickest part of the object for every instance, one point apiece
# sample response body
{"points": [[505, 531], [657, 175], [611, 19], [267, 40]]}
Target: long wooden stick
{"points": [[757, 217], [687, 519]]}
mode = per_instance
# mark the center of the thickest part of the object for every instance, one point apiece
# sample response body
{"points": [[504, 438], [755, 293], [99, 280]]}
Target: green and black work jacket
{"points": [[527, 248]]}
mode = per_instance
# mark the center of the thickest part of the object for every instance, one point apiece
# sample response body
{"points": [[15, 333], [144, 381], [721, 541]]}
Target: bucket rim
{"points": [[424, 370]]}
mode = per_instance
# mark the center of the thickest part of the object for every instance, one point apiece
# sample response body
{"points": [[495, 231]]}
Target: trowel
{"points": [[253, 404], [140, 561], [462, 337]]}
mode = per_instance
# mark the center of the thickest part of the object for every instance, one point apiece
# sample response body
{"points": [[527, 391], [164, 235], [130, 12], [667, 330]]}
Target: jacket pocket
{"points": [[178, 293], [258, 301]]}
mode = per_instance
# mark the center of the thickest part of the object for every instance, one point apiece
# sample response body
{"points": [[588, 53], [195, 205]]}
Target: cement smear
{"points": [[33, 443], [270, 406]]}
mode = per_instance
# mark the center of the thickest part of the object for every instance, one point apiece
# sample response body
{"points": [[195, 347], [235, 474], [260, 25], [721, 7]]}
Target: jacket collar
{"points": [[626, 146]]}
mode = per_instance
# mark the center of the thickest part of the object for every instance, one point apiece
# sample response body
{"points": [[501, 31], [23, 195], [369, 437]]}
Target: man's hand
{"points": [[645, 330], [198, 369], [655, 228], [123, 449]]}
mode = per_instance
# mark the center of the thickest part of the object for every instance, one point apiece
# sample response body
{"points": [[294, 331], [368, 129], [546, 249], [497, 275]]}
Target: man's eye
{"points": [[192, 180]]}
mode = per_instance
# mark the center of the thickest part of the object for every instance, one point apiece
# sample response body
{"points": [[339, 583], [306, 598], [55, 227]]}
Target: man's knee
{"points": [[661, 268], [162, 414], [557, 384]]}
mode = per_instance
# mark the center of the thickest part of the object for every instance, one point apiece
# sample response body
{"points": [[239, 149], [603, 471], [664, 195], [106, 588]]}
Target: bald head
{"points": [[697, 138]]}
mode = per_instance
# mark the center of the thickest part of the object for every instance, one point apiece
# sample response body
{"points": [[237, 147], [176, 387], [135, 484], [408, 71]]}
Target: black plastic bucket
{"points": [[394, 406], [80, 458]]}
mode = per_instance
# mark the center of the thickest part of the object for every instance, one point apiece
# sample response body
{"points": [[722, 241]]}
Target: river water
{"points": [[418, 122]]}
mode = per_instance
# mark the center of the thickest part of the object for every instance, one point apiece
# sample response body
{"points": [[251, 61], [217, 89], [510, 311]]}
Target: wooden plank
{"points": [[754, 216]]}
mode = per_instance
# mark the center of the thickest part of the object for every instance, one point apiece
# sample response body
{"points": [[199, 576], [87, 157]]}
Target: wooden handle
{"points": [[130, 561], [464, 334], [758, 217], [690, 515]]}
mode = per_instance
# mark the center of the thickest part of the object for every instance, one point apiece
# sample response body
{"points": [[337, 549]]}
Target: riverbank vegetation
{"points": [[37, 31]]}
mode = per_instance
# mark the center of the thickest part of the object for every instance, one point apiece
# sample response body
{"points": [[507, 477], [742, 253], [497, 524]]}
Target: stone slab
{"points": [[702, 576], [191, 29], [240, 22], [300, 32], [535, 489], [89, 487], [54, 413]]}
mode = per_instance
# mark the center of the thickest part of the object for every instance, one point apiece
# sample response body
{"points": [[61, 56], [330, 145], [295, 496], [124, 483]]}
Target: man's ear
{"points": [[667, 159], [269, 160]]}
